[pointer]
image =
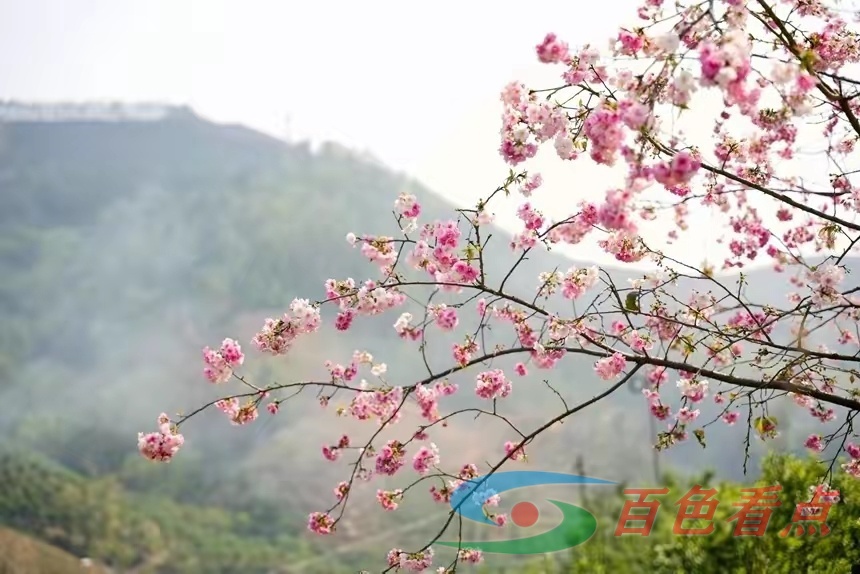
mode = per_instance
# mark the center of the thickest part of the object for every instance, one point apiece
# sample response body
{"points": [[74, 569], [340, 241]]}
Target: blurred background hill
{"points": [[128, 245]]}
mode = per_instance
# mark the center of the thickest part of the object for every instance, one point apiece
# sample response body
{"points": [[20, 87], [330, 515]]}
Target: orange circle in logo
{"points": [[524, 514]]}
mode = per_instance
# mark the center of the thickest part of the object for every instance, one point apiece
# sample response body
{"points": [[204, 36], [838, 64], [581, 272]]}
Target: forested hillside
{"points": [[125, 248]]}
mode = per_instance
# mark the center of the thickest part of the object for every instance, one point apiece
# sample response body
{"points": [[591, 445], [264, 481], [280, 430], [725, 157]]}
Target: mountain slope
{"points": [[126, 247], [21, 554]]}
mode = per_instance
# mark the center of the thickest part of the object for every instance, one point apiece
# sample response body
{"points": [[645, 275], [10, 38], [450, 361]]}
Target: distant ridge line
{"points": [[20, 112]]}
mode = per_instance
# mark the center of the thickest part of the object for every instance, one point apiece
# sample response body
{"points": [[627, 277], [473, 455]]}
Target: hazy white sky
{"points": [[416, 85]]}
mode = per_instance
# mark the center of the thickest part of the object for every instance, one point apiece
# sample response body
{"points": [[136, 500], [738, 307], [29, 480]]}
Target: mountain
{"points": [[127, 246]]}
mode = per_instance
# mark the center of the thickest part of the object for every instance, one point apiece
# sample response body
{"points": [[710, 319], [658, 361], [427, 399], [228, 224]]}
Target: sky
{"points": [[418, 87]]}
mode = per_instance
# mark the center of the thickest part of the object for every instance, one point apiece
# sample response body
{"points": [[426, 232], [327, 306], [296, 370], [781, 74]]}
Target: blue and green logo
{"points": [[577, 524]]}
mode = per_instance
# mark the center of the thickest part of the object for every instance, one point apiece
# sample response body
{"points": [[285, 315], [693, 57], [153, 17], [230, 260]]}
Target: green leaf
{"points": [[631, 302], [700, 436]]}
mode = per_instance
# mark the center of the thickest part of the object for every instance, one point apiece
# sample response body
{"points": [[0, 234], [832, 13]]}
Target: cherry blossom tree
{"points": [[771, 82]]}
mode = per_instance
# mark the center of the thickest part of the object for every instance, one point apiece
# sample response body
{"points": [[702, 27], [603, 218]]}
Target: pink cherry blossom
{"points": [[610, 367]]}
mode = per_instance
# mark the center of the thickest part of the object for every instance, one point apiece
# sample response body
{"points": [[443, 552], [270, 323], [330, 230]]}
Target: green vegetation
{"points": [[721, 552], [151, 534], [97, 518]]}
